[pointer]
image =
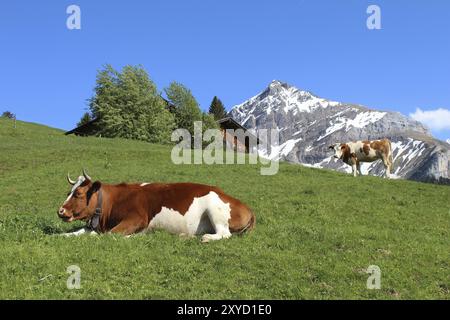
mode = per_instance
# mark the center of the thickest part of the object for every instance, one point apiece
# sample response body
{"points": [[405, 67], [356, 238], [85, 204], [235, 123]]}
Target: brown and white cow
{"points": [[180, 208], [353, 153]]}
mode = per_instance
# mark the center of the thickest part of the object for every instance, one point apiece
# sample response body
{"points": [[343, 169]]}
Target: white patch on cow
{"points": [[144, 184], [207, 215], [79, 182], [357, 148], [337, 150], [170, 220]]}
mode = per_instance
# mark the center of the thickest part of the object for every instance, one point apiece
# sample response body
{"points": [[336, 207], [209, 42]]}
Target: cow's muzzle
{"points": [[63, 216]]}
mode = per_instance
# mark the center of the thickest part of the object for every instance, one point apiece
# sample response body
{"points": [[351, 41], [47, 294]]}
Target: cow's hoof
{"points": [[206, 238]]}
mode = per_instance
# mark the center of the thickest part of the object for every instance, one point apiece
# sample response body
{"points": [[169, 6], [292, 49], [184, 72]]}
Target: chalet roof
{"points": [[230, 120], [230, 123]]}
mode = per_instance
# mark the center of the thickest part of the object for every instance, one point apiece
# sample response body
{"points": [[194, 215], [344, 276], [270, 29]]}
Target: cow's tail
{"points": [[250, 225]]}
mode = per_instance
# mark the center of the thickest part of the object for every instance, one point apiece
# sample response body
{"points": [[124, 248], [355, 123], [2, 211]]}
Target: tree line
{"points": [[127, 104], [8, 115]]}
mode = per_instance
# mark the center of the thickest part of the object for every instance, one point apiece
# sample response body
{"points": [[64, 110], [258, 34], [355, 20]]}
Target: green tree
{"points": [[128, 106], [209, 122], [217, 109], [84, 119], [187, 110], [9, 115]]}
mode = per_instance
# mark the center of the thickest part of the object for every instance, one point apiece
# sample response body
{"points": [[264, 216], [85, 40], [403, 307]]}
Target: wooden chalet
{"points": [[246, 143]]}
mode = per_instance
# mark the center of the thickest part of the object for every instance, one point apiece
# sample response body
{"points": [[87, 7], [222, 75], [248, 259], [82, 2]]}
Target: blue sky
{"points": [[232, 49]]}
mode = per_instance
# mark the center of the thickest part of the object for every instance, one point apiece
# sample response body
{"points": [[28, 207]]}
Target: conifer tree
{"points": [[217, 109]]}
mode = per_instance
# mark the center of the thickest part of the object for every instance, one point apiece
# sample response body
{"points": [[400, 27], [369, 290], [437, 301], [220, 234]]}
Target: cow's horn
{"points": [[70, 180], [86, 175]]}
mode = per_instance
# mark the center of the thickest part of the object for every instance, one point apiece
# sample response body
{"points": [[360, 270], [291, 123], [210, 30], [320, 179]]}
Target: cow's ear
{"points": [[331, 147], [96, 186], [93, 189]]}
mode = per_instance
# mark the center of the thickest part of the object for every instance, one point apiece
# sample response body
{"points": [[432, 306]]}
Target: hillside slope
{"points": [[308, 124], [317, 230]]}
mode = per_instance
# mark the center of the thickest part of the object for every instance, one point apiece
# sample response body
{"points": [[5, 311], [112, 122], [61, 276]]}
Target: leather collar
{"points": [[94, 222]]}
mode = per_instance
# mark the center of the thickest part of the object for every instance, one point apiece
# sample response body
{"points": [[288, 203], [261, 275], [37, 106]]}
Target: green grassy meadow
{"points": [[317, 231]]}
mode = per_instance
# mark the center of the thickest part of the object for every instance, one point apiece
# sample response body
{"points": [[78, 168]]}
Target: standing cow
{"points": [[353, 153], [180, 208]]}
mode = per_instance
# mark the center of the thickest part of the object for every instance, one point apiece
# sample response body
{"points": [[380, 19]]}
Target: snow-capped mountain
{"points": [[308, 125]]}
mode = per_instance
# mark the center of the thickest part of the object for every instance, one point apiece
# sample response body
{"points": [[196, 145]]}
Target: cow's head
{"points": [[81, 200], [338, 149]]}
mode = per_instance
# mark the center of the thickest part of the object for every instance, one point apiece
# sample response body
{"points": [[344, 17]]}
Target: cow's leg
{"points": [[80, 232], [354, 169], [353, 163], [391, 160], [387, 167], [128, 227], [222, 232], [358, 167], [219, 214]]}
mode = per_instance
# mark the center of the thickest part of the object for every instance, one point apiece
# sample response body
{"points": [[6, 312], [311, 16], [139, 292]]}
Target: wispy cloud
{"points": [[438, 119]]}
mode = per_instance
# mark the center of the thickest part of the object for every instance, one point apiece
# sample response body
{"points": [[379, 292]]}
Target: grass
{"points": [[317, 230]]}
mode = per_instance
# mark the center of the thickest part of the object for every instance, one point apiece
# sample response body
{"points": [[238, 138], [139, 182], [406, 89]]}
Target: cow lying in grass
{"points": [[180, 208], [353, 153]]}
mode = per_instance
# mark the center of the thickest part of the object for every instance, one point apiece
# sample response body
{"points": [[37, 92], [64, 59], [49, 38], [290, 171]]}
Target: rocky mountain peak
{"points": [[307, 124], [283, 88]]}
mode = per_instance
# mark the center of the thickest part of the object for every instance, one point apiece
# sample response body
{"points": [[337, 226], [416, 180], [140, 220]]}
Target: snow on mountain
{"points": [[308, 124], [360, 121], [282, 96], [277, 152]]}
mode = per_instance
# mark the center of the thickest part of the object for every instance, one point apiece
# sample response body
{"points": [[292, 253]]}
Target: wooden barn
{"points": [[247, 143]]}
